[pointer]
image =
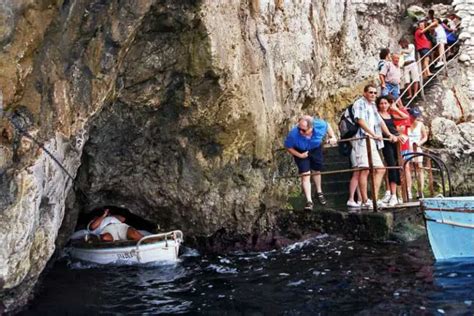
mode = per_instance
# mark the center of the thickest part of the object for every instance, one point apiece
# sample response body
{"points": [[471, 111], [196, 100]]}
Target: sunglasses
{"points": [[302, 130], [372, 92]]}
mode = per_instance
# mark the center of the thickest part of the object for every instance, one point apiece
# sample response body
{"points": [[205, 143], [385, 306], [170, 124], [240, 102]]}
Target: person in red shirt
{"points": [[402, 124], [423, 46]]}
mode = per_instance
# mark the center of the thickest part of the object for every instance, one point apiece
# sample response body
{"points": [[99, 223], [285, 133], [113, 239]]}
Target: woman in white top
{"points": [[417, 136], [441, 40]]}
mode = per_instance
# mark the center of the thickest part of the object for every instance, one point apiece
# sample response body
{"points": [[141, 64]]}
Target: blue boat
{"points": [[450, 226]]}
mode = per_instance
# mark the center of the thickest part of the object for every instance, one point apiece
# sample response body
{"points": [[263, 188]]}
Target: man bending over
{"points": [[304, 143], [112, 228]]}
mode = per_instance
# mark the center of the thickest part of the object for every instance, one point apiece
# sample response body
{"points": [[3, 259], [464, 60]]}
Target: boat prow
{"points": [[450, 226], [162, 247]]}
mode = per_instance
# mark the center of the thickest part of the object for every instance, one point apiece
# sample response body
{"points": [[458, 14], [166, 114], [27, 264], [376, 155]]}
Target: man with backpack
{"points": [[371, 124], [304, 143]]}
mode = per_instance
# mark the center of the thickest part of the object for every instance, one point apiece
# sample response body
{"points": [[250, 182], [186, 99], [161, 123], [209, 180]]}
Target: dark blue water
{"points": [[321, 276]]}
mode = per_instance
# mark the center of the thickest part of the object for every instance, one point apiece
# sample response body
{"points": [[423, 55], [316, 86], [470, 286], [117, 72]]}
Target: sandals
{"points": [[322, 200], [309, 206]]}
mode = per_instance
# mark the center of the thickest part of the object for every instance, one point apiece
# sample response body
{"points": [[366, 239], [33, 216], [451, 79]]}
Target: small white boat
{"points": [[162, 247]]}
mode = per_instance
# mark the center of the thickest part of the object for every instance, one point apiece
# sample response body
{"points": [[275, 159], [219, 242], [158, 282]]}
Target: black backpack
{"points": [[347, 128]]}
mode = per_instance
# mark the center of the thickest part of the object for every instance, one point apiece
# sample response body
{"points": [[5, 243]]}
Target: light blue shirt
{"points": [[367, 111]]}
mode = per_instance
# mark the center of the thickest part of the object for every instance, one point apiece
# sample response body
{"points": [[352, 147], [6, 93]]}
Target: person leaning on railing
{"points": [[304, 143], [371, 124], [384, 104]]}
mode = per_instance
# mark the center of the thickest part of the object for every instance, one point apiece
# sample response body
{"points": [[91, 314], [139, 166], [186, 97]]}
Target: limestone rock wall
{"points": [[61, 61], [173, 109]]}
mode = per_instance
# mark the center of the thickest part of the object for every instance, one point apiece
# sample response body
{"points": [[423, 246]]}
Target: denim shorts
{"points": [[423, 52], [393, 89], [314, 161]]}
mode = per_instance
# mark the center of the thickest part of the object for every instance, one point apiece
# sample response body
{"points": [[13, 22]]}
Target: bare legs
{"points": [[306, 185], [106, 237], [415, 86], [133, 234], [363, 179], [409, 180], [426, 69], [317, 181], [440, 52], [353, 186]]}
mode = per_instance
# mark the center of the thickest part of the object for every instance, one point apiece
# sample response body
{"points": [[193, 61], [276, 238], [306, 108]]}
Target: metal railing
{"points": [[402, 165], [176, 236], [420, 68]]}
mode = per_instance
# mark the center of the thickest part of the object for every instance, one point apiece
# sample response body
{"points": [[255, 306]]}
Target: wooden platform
{"points": [[403, 205]]}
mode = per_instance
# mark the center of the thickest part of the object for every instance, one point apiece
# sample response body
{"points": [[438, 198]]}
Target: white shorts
{"points": [[359, 158], [118, 231], [411, 73], [441, 39]]}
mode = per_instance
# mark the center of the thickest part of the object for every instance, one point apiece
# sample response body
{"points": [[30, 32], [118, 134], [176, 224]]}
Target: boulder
{"points": [[416, 12], [451, 109], [445, 133]]}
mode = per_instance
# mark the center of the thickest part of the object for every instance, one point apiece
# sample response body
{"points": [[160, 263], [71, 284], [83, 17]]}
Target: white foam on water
{"points": [[301, 244], [296, 283], [222, 269], [81, 265], [189, 252], [225, 261]]}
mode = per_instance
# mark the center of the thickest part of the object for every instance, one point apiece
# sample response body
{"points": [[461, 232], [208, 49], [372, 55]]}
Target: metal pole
{"points": [[417, 170], [372, 176], [445, 64], [430, 176], [403, 180], [420, 69]]}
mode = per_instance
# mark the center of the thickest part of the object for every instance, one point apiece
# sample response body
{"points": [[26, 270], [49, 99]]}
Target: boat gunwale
{"points": [[120, 248], [442, 209]]}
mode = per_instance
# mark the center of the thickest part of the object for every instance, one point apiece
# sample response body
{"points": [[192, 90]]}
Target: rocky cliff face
{"points": [[173, 109], [449, 107]]}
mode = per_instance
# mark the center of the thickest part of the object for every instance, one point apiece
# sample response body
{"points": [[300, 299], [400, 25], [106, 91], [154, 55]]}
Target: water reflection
{"points": [[323, 275]]}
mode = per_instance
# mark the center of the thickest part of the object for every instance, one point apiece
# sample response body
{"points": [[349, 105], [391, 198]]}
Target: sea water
{"points": [[320, 276]]}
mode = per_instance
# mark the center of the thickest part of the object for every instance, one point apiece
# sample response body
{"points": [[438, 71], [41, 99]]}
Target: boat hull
{"points": [[450, 227]]}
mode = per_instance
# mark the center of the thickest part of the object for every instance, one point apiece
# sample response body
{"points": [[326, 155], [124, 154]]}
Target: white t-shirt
{"points": [[106, 221], [440, 34], [410, 55]]}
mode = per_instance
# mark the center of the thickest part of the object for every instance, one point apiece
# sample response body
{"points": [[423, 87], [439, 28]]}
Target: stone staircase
{"points": [[335, 186]]}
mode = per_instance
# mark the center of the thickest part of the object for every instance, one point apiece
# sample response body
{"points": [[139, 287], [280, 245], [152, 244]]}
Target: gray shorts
{"points": [[359, 158]]}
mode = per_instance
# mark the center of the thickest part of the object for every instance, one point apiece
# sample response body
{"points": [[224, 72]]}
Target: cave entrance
{"points": [[131, 219]]}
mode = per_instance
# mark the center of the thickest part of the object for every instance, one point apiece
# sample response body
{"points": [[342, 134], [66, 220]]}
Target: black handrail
{"points": [[439, 163]]}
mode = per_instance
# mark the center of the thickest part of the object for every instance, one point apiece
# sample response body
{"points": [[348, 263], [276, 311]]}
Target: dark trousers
{"points": [[390, 155]]}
